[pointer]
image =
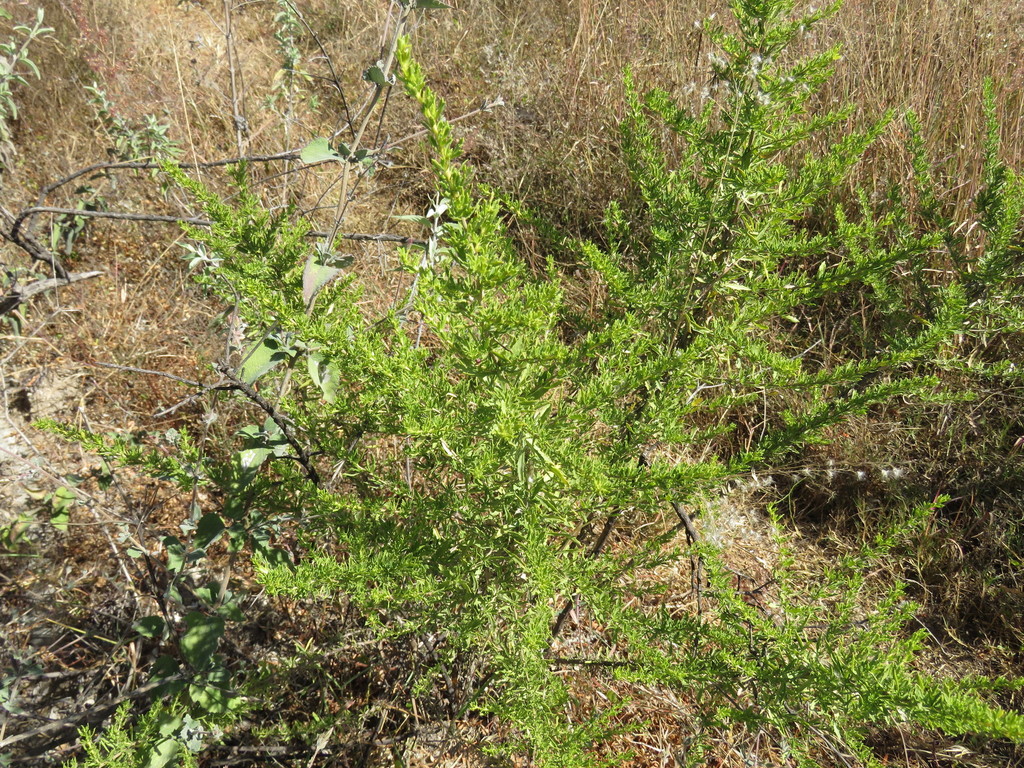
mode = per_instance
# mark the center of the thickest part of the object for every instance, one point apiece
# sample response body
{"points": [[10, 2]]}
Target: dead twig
{"points": [[333, 79], [65, 730], [595, 551], [696, 563], [36, 250], [301, 454], [16, 296], [194, 221], [171, 376], [241, 125], [149, 165], [232, 382]]}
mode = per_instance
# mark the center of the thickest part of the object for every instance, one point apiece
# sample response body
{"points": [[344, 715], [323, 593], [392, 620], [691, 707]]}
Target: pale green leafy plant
{"points": [[15, 67], [145, 140], [157, 739], [472, 463]]}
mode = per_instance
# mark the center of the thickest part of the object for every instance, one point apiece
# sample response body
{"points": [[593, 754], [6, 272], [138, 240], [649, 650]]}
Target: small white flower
{"points": [[716, 60]]}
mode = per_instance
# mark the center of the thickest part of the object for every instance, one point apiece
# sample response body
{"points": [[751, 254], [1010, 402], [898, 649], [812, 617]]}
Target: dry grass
{"points": [[558, 66]]}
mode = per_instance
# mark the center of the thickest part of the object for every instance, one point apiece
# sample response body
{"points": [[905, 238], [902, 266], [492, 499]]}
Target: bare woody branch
{"points": [[18, 295]]}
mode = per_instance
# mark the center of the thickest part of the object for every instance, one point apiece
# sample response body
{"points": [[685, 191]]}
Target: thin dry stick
{"points": [[37, 251], [691, 532], [334, 79], [148, 165], [237, 105], [595, 551], [385, 68], [696, 565], [171, 376], [19, 295], [30, 245], [487, 106], [66, 730], [232, 382], [301, 454], [692, 536], [197, 222], [184, 108]]}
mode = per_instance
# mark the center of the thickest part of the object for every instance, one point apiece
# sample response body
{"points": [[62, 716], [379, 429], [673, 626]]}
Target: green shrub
{"points": [[466, 465], [159, 738]]}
